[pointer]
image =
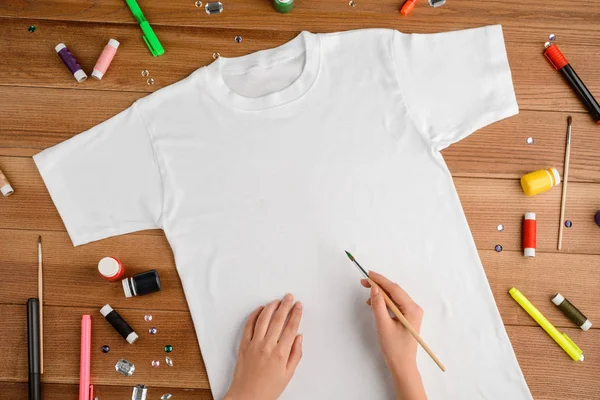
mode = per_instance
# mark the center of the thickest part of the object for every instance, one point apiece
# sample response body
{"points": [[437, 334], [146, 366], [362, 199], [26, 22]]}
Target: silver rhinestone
{"points": [[552, 37], [437, 3], [169, 361], [198, 4], [125, 367], [214, 7], [147, 317], [152, 331], [500, 228], [166, 396], [238, 39], [150, 81], [216, 55], [530, 140], [145, 72], [352, 3]]}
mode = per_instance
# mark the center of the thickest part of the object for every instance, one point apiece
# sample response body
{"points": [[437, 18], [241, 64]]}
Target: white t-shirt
{"points": [[263, 169]]}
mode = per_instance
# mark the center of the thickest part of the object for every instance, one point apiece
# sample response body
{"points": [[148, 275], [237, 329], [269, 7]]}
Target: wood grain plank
{"points": [[73, 271], [61, 343], [486, 202], [575, 17], [54, 391], [545, 365], [191, 48], [497, 151]]}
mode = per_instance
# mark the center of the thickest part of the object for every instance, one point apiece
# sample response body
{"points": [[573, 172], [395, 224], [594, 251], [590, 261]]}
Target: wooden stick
{"points": [[41, 297], [394, 308], [564, 187]]}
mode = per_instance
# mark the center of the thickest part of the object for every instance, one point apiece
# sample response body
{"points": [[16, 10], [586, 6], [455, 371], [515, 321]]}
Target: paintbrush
{"points": [[563, 200], [41, 298], [394, 308]]}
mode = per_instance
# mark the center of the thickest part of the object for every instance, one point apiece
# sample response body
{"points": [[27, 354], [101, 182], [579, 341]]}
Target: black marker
{"points": [[33, 348]]}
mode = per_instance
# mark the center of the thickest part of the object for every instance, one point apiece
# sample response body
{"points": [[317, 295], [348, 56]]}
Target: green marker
{"points": [[149, 36], [283, 6]]}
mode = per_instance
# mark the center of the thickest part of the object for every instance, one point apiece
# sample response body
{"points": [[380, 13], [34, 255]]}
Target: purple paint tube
{"points": [[71, 63]]}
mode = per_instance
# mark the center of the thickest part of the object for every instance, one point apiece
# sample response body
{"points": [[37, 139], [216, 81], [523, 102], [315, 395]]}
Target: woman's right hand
{"points": [[398, 346]]}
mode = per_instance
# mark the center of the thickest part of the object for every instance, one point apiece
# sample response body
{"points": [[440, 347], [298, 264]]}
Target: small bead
{"points": [[530, 140], [498, 248], [597, 218], [105, 349], [568, 224], [145, 72], [155, 363], [152, 331], [238, 39], [150, 81], [168, 348], [147, 317], [31, 28], [198, 3], [166, 396], [169, 361], [500, 228], [552, 37]]}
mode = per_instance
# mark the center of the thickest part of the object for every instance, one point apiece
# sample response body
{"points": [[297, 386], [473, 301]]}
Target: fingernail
{"points": [[300, 337], [299, 305], [288, 297]]}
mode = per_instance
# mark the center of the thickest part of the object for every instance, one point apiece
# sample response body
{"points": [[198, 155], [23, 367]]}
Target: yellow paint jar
{"points": [[539, 181]]}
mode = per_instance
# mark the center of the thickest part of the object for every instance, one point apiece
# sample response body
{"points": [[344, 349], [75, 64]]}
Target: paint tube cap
{"points": [[556, 176], [529, 252], [80, 75], [114, 43], [97, 74], [558, 299], [59, 47], [586, 325], [6, 190], [132, 337]]}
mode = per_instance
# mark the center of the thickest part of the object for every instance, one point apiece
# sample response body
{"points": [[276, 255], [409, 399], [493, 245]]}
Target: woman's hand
{"points": [[397, 344], [269, 352]]}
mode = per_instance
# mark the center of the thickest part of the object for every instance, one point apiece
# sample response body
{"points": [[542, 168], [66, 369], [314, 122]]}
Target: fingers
{"points": [[365, 283], [264, 319], [249, 327], [291, 329], [382, 317], [408, 307], [279, 318], [295, 354]]}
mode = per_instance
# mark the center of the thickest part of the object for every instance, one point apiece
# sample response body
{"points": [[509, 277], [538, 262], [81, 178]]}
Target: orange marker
{"points": [[408, 7]]}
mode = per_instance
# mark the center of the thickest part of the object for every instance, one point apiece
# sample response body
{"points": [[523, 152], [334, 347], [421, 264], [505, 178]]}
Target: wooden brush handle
{"points": [[392, 306]]}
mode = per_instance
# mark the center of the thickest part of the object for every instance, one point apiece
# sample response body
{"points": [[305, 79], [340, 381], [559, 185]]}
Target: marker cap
{"points": [[556, 58], [6, 190], [530, 215], [408, 7], [59, 47], [126, 288], [109, 267], [107, 309]]}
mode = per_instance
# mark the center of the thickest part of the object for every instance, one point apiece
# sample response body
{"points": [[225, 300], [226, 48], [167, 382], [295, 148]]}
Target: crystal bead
{"points": [[105, 349], [166, 396], [125, 367], [238, 39], [169, 361], [498, 248], [168, 348], [152, 331], [155, 363], [147, 317]]}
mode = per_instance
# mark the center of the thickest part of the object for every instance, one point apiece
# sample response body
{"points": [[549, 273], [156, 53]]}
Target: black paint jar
{"points": [[141, 284]]}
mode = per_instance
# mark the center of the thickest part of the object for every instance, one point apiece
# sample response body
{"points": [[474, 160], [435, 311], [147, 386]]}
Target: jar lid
{"points": [[109, 267]]}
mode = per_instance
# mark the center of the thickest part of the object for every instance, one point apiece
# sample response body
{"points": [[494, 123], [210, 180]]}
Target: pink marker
{"points": [[86, 390], [105, 59]]}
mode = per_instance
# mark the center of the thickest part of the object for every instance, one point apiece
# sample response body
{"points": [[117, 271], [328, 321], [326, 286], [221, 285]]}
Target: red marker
{"points": [[529, 235], [560, 63]]}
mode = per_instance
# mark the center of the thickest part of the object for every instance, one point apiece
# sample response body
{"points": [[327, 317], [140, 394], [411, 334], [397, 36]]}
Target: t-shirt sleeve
{"points": [[105, 181], [454, 83]]}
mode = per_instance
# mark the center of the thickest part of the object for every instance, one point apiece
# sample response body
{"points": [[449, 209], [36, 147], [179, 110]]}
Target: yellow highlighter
{"points": [[562, 339]]}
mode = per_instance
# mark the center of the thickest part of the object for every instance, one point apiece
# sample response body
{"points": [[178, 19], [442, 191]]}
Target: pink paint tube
{"points": [[105, 59]]}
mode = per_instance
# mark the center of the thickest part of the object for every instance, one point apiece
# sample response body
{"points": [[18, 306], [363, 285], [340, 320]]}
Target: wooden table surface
{"points": [[42, 105]]}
